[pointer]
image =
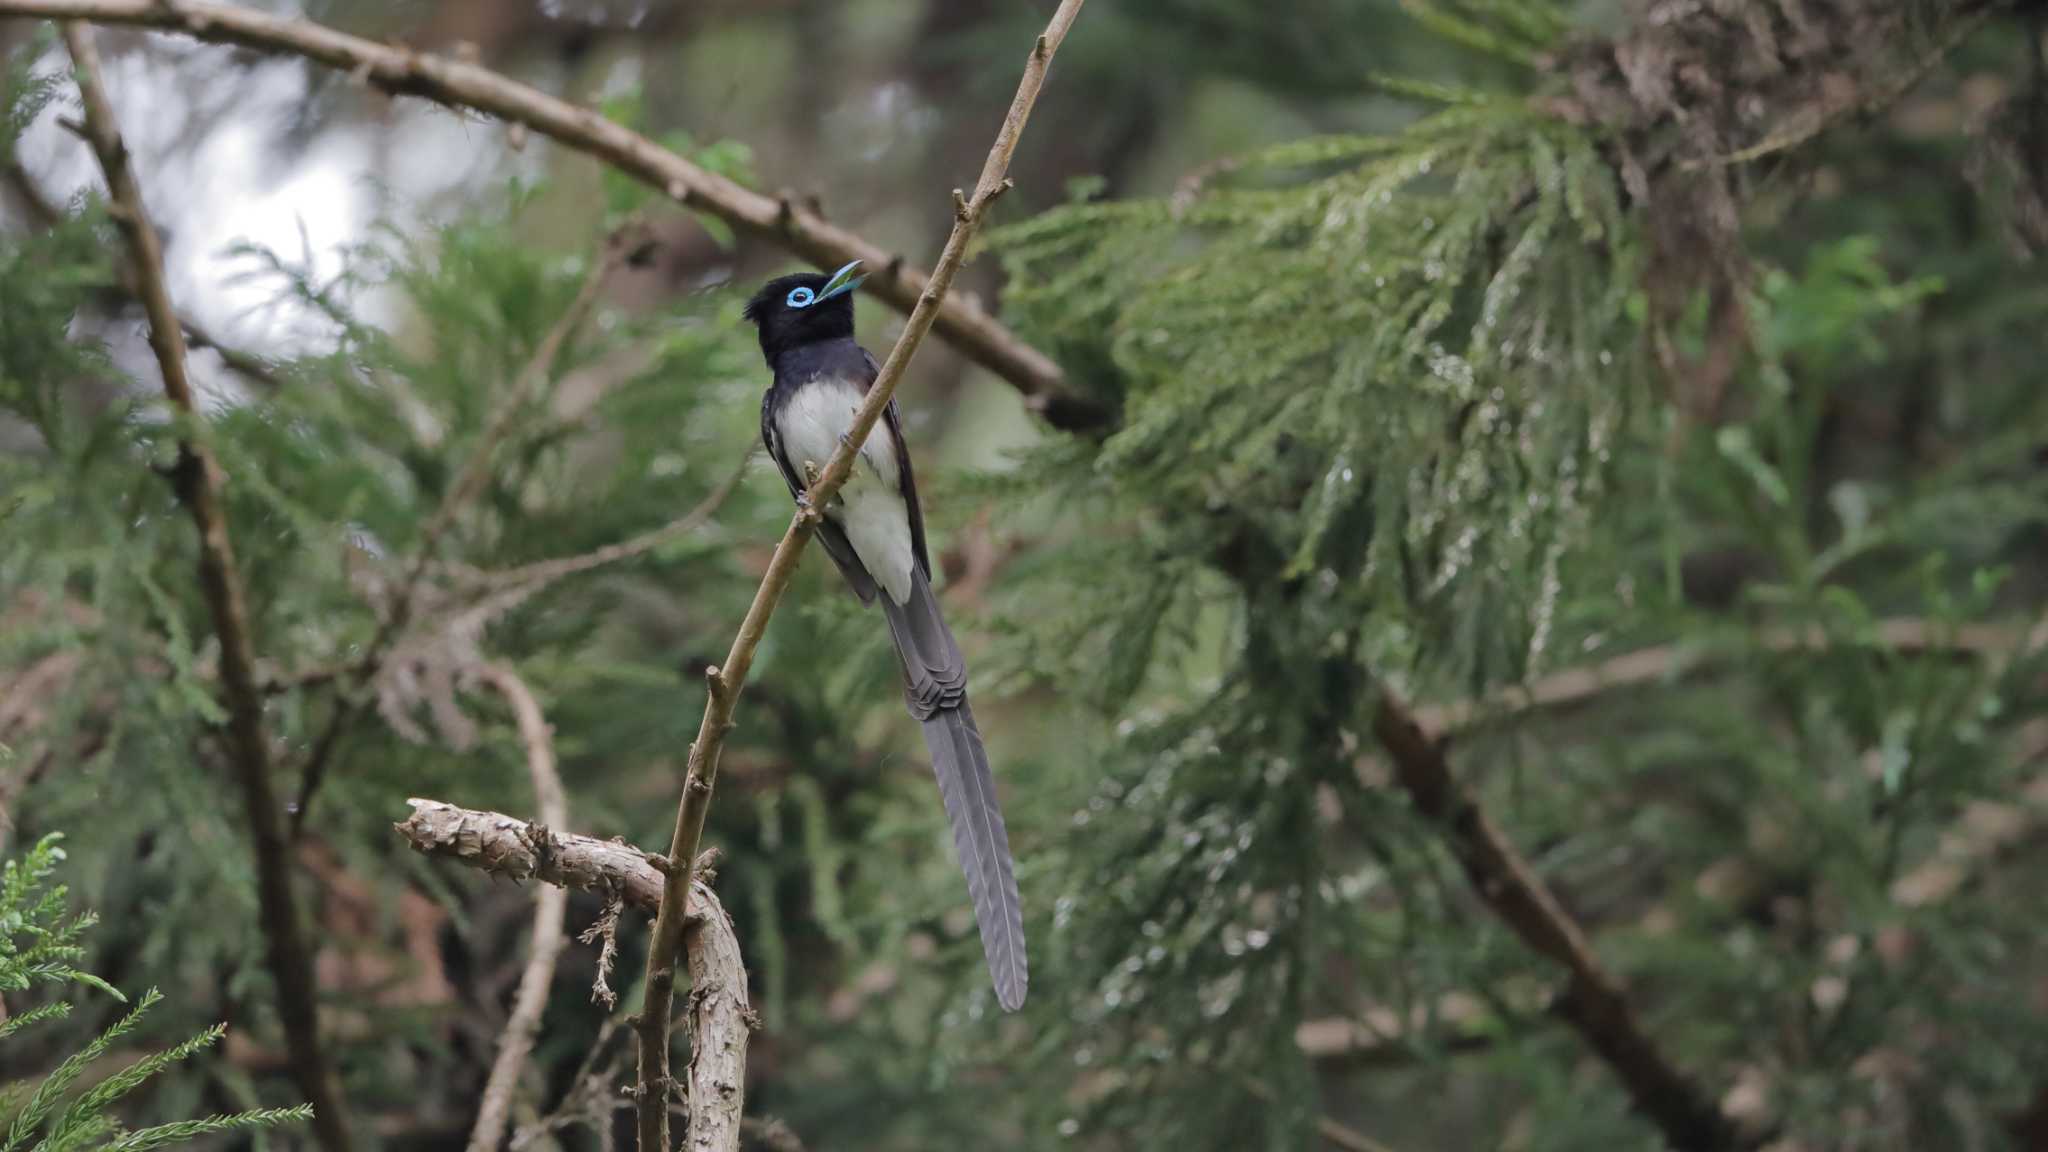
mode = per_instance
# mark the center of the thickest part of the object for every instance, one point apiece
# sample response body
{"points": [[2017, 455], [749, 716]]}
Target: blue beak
{"points": [[843, 281]]}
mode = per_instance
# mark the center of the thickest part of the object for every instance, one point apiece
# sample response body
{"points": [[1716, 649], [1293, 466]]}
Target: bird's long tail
{"points": [[935, 690]]}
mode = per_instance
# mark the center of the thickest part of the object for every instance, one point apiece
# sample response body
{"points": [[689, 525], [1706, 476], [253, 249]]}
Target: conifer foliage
{"points": [[72, 1106]]}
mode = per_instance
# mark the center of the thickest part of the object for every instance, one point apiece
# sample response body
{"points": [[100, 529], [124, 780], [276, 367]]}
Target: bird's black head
{"points": [[792, 311]]}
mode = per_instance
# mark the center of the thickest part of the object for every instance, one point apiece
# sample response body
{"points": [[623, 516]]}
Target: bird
{"points": [[873, 530]]}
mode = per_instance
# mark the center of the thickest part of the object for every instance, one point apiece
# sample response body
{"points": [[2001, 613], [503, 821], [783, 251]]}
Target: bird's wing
{"points": [[830, 534], [906, 481]]}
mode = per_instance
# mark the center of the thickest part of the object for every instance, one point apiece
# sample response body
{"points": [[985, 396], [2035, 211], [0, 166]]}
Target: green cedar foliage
{"points": [[65, 1110]]}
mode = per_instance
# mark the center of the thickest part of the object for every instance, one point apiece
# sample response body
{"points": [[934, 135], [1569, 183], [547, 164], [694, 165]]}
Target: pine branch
{"points": [[618, 248], [724, 684], [461, 85], [550, 905], [720, 1012], [1593, 1001], [198, 480], [183, 1131]]}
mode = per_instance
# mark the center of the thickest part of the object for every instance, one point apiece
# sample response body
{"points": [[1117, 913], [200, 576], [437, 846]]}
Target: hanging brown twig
{"points": [[550, 905], [618, 248], [464, 85], [198, 479], [724, 683]]}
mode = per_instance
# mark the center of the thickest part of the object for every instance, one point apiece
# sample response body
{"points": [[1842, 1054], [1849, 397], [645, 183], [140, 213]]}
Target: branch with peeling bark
{"points": [[721, 1016], [458, 84], [723, 684], [199, 480]]}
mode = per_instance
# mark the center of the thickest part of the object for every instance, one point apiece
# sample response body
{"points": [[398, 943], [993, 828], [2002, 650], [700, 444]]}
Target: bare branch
{"points": [[199, 480], [476, 470], [725, 683], [503, 846], [1671, 662], [460, 84], [550, 905], [1593, 1001], [720, 1013], [539, 574]]}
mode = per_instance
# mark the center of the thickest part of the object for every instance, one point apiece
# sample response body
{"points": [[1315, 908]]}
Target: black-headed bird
{"points": [[874, 531]]}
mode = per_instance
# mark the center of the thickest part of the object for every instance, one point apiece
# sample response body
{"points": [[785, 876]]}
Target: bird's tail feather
{"points": [[935, 690]]}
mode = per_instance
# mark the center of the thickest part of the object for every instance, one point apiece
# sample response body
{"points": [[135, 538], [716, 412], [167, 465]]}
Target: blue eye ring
{"points": [[800, 298]]}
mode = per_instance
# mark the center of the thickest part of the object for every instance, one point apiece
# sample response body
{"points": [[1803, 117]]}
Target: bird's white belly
{"points": [[870, 508]]}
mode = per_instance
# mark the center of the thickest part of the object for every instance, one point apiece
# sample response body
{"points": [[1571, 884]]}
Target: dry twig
{"points": [[724, 684], [503, 846], [463, 85], [550, 905], [198, 480]]}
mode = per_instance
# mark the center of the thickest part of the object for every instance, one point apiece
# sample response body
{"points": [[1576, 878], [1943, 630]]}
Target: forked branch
{"points": [[724, 683], [721, 1016]]}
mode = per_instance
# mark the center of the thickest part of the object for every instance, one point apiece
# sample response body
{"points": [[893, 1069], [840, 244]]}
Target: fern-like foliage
{"points": [[63, 1111], [1414, 349]]}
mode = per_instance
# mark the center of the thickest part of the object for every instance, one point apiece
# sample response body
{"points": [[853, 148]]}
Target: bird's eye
{"points": [[801, 297]]}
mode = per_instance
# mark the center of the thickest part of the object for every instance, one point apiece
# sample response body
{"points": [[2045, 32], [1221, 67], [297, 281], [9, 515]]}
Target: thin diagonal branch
{"points": [[1593, 1002], [721, 1016], [496, 587], [725, 683], [476, 470], [198, 479], [456, 84], [550, 905], [541, 573], [1906, 635]]}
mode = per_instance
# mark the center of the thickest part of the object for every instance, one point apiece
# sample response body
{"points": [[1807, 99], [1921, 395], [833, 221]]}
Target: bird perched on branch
{"points": [[874, 531]]}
